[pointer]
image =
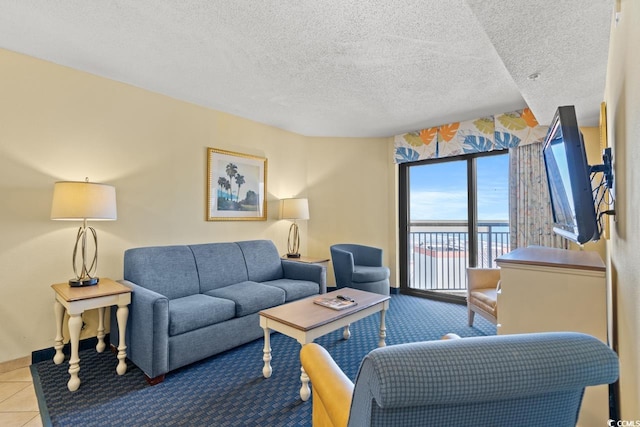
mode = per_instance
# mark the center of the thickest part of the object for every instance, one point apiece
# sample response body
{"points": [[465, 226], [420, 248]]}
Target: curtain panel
{"points": [[489, 133], [530, 217]]}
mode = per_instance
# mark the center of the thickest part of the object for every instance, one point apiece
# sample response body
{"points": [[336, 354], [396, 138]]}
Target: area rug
{"points": [[229, 389]]}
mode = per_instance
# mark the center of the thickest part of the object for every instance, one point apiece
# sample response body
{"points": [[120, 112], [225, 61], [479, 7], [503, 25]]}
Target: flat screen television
{"points": [[569, 179]]}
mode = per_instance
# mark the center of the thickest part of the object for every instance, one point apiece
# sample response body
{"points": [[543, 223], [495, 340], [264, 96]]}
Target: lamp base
{"points": [[77, 283], [293, 255]]}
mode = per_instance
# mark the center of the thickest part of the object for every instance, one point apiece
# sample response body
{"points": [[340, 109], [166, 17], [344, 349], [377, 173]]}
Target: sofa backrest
{"points": [[178, 271], [262, 260], [219, 265], [167, 270]]}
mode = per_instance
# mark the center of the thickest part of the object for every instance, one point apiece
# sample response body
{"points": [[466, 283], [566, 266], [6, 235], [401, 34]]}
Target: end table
{"points": [[78, 299]]}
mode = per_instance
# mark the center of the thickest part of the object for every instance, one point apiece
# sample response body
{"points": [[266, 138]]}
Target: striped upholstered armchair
{"points": [[510, 380]]}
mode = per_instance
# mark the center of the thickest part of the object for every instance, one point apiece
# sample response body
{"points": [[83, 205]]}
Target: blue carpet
{"points": [[229, 389]]}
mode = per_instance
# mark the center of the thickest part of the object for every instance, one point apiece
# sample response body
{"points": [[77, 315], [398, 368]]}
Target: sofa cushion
{"points": [[362, 274], [262, 259], [295, 289], [219, 265], [250, 297], [196, 311], [168, 270]]}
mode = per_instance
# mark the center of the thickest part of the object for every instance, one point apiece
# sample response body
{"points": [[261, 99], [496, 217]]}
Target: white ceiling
{"points": [[333, 67]]}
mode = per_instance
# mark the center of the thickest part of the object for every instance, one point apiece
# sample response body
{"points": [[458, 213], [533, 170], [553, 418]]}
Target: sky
{"points": [[439, 191]]}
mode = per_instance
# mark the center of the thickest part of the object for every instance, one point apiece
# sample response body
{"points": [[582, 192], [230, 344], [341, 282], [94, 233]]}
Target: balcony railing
{"points": [[439, 252]]}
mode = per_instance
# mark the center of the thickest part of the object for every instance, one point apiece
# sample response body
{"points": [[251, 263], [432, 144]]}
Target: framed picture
{"points": [[236, 186], [603, 125], [605, 203]]}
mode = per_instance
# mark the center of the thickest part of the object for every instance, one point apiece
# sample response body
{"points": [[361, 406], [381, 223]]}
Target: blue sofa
{"points": [[190, 302]]}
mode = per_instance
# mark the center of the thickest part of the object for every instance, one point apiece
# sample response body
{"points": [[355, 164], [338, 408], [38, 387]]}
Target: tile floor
{"points": [[18, 402]]}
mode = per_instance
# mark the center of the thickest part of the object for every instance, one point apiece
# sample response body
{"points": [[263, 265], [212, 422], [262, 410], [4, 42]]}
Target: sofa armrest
{"points": [[303, 271], [332, 389], [147, 333]]}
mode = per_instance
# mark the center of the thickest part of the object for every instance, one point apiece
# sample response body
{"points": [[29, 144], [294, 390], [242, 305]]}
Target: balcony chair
{"points": [[525, 380], [360, 267], [483, 285]]}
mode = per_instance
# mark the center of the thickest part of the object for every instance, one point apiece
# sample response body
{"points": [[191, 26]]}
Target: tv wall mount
{"points": [[602, 187]]}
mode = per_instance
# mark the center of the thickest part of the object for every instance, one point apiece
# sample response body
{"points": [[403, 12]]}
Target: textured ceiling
{"points": [[333, 68]]}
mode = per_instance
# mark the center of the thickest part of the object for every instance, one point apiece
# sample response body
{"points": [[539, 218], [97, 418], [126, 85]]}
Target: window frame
{"points": [[404, 220]]}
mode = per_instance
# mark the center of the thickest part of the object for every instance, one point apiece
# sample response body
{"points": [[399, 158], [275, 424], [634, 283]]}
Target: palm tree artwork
{"points": [[227, 200], [239, 181], [223, 183]]}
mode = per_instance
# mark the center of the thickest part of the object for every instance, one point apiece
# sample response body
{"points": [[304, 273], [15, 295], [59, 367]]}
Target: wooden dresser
{"points": [[546, 290]]}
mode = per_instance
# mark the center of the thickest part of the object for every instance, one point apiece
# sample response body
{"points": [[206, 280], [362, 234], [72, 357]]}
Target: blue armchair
{"points": [[508, 380], [360, 267]]}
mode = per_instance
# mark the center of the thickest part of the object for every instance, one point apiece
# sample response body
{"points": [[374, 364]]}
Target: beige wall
{"points": [[622, 96], [61, 124], [336, 181]]}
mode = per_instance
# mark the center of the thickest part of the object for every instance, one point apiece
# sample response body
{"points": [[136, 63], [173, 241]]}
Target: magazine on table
{"points": [[338, 303]]}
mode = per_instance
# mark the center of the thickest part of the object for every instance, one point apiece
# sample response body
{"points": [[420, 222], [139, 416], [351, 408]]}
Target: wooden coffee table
{"points": [[305, 321]]}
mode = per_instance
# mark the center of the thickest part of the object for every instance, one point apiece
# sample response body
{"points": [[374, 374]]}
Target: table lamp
{"points": [[294, 209], [83, 201]]}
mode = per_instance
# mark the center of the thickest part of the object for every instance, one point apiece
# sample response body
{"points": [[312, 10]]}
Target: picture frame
{"points": [[603, 125], [236, 186], [606, 200]]}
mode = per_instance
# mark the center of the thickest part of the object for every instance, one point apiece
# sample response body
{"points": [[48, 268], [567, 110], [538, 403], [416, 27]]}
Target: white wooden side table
{"points": [[75, 300]]}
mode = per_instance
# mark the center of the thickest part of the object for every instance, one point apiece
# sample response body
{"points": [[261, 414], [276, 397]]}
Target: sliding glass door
{"points": [[454, 214], [492, 179], [438, 209]]}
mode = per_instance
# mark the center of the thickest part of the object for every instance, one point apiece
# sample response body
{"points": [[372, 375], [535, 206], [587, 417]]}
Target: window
{"points": [[454, 213]]}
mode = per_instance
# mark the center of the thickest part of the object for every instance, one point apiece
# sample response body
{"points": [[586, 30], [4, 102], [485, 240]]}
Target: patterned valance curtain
{"points": [[489, 133], [530, 218]]}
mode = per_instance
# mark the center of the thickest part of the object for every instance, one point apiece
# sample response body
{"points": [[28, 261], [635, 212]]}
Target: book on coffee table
{"points": [[334, 303]]}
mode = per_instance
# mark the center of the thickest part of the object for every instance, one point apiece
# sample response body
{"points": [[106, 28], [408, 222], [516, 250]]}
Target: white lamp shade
{"points": [[76, 200], [295, 209]]}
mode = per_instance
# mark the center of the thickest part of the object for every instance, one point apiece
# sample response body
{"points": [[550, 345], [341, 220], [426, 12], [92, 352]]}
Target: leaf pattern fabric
{"points": [[428, 135], [489, 133], [522, 125]]}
